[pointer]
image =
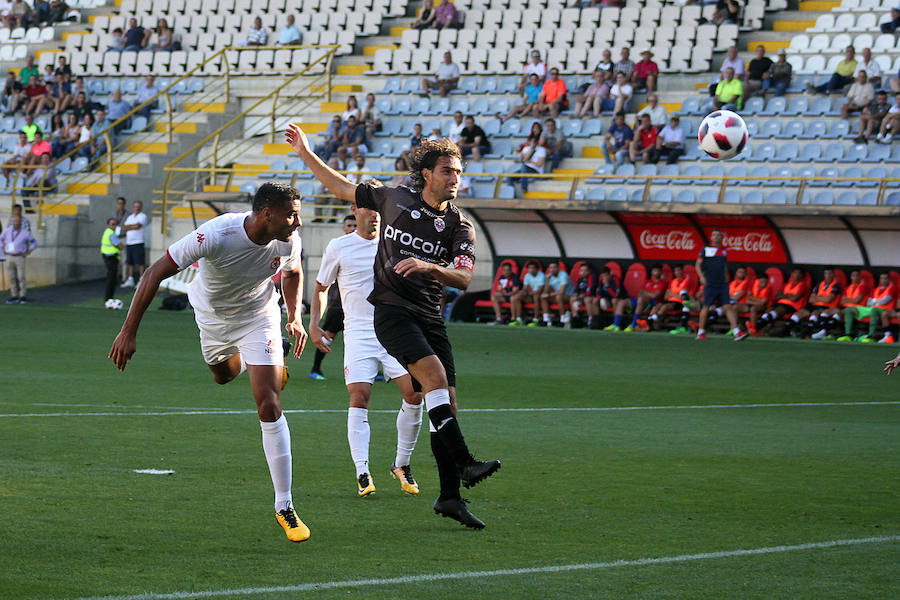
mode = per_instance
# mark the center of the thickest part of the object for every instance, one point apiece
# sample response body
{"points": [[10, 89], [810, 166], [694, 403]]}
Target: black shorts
{"points": [[410, 338], [134, 254], [788, 309], [716, 295], [333, 320]]}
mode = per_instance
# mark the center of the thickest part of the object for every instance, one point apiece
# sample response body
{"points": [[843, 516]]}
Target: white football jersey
{"points": [[235, 279], [350, 259]]}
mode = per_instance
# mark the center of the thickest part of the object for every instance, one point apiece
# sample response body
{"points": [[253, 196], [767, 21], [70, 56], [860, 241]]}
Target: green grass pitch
{"points": [[576, 487]]}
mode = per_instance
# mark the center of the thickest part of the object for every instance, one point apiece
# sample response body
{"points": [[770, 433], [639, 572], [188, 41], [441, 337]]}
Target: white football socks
{"points": [[358, 435], [409, 420], [276, 438]]}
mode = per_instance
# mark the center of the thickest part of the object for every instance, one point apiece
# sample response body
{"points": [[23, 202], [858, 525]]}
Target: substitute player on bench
{"points": [[237, 312], [348, 260]]}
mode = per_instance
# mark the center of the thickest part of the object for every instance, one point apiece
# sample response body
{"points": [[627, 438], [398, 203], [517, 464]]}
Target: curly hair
{"points": [[274, 194], [426, 155]]}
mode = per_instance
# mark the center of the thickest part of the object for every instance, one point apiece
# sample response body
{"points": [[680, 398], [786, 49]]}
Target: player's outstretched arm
{"points": [[316, 307], [892, 364], [125, 343], [336, 183], [291, 286]]}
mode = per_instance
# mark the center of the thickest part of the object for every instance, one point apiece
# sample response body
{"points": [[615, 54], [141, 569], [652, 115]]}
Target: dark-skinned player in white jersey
{"points": [[425, 243]]}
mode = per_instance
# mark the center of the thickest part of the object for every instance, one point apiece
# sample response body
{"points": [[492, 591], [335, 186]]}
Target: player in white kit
{"points": [[236, 309], [349, 260]]}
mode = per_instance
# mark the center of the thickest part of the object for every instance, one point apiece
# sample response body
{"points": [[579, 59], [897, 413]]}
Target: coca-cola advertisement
{"points": [[666, 242], [746, 244]]}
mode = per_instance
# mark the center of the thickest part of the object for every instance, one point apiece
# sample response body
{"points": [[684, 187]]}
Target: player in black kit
{"points": [[424, 244]]}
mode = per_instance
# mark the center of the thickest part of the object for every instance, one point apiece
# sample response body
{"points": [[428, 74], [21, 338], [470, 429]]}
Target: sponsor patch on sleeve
{"points": [[464, 262]]}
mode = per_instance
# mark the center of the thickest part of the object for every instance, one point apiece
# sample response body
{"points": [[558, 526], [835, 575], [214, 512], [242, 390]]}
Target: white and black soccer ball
{"points": [[723, 134], [113, 304]]}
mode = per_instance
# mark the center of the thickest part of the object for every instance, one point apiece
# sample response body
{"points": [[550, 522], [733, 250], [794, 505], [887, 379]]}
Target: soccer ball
{"points": [[113, 304], [723, 134]]}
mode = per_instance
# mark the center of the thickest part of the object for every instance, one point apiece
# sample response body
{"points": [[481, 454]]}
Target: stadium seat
{"points": [[500, 149], [811, 152], [634, 279], [856, 153], [771, 128], [777, 197], [838, 129], [685, 196], [847, 199], [793, 129], [714, 170], [763, 152], [709, 197], [868, 199], [759, 171], [667, 169], [815, 130], [663, 195], [754, 105], [626, 169], [277, 165], [618, 195], [595, 194], [689, 171], [776, 106], [732, 197], [753, 197], [831, 172], [857, 172], [877, 153]]}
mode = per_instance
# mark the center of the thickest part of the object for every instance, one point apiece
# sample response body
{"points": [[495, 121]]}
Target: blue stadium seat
{"points": [[847, 199], [690, 106], [593, 126], [468, 85], [500, 105], [714, 170], [510, 128], [820, 106], [877, 153], [776, 106], [129, 86], [753, 197], [824, 198], [421, 106], [596, 194], [180, 87], [873, 172], [9, 143], [810, 152], [685, 196], [476, 167], [816, 129], [460, 104], [97, 87], [830, 172], [798, 106], [400, 106], [895, 174], [856, 153], [579, 194], [853, 172], [573, 127], [833, 151], [9, 125], [500, 149], [508, 84], [663, 195], [784, 171], [838, 129], [806, 171], [692, 150], [43, 122], [868, 199], [752, 127], [637, 195], [793, 129], [625, 169], [429, 125], [738, 170], [278, 164], [732, 197], [383, 148], [196, 84], [487, 85], [299, 165], [480, 106], [667, 169], [647, 169], [771, 128], [483, 190], [709, 197], [65, 165], [248, 187], [760, 171], [763, 152], [138, 123], [383, 105], [836, 107], [618, 195], [892, 199], [706, 107], [689, 171], [491, 127], [895, 155], [506, 192], [776, 197], [438, 106], [392, 85], [754, 105], [603, 169], [412, 85]]}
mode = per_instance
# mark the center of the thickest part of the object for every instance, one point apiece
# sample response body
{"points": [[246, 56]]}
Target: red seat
{"points": [[841, 278], [635, 277], [776, 279], [867, 278]]}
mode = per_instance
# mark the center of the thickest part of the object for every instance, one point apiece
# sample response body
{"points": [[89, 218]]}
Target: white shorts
{"points": [[258, 342], [362, 357]]}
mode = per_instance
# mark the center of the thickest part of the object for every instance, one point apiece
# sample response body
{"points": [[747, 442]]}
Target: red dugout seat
{"points": [[776, 279], [635, 277]]}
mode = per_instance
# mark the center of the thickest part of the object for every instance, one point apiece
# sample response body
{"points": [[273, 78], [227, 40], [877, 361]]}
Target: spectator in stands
{"points": [[535, 66], [135, 229], [873, 71], [427, 17], [447, 76], [779, 75], [102, 124], [161, 38], [144, 94], [729, 92], [48, 74], [556, 291], [625, 64], [435, 134], [553, 96], [354, 139], [358, 166], [843, 75], [57, 124], [333, 136], [657, 112], [117, 41], [60, 94], [290, 35], [652, 293], [415, 140], [826, 296], [135, 36], [607, 68], [791, 299], [882, 298], [13, 93], [645, 72], [530, 95], [43, 176], [669, 143], [352, 110], [727, 11], [532, 156], [30, 128], [617, 138], [891, 122], [78, 88], [39, 147], [584, 294], [592, 97], [84, 137], [473, 140], [81, 107], [68, 137], [257, 36], [532, 286], [537, 130], [679, 297], [40, 12], [508, 284], [58, 10], [871, 117], [760, 298], [371, 116], [17, 243], [456, 128], [619, 95], [28, 71], [117, 108], [19, 15], [446, 15], [892, 25], [859, 96], [402, 176], [63, 68], [38, 96], [644, 142], [21, 151], [554, 140], [611, 295], [757, 72], [326, 199], [733, 61]]}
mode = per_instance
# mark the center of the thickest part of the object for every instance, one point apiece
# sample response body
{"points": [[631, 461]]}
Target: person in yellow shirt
{"points": [[843, 75], [729, 92]]}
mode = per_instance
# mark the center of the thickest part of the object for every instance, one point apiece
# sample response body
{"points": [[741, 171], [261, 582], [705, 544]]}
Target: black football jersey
{"points": [[410, 228]]}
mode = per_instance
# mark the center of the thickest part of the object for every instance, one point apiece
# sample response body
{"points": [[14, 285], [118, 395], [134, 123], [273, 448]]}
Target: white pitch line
{"points": [[431, 577], [217, 411]]}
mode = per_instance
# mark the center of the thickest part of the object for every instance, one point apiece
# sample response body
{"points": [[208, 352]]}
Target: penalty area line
{"points": [[432, 577], [218, 411]]}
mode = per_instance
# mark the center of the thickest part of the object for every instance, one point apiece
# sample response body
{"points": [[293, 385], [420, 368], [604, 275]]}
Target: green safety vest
{"points": [[106, 246]]}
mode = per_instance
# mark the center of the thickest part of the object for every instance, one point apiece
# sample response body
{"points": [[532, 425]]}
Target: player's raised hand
{"points": [[123, 349], [297, 139], [892, 364], [295, 328], [408, 266]]}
